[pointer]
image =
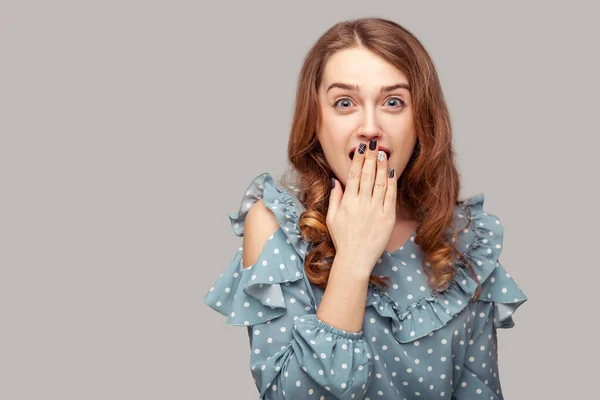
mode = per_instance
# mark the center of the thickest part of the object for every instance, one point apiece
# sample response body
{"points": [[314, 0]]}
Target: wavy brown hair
{"points": [[430, 182]]}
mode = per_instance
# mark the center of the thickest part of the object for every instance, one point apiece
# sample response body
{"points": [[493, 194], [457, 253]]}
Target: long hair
{"points": [[430, 182]]}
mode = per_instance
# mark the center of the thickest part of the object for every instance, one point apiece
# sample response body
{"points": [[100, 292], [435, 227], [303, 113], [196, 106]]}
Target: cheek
{"points": [[336, 137], [338, 128], [334, 147], [406, 151]]}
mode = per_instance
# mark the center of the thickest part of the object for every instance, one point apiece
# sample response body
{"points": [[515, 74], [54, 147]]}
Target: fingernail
{"points": [[391, 172], [372, 144], [331, 183], [361, 148], [381, 155]]}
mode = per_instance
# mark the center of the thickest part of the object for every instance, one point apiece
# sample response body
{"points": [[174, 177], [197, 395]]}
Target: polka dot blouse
{"points": [[414, 343]]}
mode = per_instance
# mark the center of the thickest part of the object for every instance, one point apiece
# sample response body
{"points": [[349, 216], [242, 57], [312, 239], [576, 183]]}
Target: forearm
{"points": [[344, 300]]}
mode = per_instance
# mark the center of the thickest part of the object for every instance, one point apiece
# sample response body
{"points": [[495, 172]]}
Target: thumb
{"points": [[335, 196]]}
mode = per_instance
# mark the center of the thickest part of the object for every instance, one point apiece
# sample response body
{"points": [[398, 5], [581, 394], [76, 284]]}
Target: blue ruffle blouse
{"points": [[414, 343]]}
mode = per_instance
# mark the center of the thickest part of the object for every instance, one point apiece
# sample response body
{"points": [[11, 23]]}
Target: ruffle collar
{"points": [[431, 310]]}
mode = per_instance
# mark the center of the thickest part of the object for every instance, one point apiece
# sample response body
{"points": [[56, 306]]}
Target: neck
{"points": [[404, 213]]}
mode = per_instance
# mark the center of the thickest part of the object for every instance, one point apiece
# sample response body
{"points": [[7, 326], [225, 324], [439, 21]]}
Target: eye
{"points": [[398, 99], [346, 99]]}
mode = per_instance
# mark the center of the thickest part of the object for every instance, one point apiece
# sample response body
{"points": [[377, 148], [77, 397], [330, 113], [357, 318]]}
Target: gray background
{"points": [[130, 129]]}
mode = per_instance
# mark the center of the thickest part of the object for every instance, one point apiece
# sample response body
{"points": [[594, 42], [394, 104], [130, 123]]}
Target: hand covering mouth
{"points": [[387, 153]]}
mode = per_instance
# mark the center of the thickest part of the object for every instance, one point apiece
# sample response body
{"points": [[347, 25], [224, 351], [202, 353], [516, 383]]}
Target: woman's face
{"points": [[350, 117]]}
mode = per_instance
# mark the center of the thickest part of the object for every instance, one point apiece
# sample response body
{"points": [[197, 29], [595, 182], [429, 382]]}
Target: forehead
{"points": [[359, 66]]}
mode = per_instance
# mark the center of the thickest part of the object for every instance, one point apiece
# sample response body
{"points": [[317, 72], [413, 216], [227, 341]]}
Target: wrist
{"points": [[350, 267]]}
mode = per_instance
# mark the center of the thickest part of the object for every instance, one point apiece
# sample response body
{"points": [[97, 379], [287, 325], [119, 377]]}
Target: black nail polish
{"points": [[361, 148], [331, 183], [373, 144], [391, 172]]}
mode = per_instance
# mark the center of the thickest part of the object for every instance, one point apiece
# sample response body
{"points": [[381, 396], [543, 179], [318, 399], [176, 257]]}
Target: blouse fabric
{"points": [[414, 342]]}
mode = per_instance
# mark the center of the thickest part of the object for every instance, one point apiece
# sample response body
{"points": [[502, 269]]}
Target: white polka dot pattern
{"points": [[415, 343]]}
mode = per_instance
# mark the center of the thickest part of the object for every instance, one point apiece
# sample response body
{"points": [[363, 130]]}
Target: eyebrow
{"points": [[356, 88]]}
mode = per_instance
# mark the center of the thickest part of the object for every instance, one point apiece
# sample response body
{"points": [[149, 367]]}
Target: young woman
{"points": [[385, 284]]}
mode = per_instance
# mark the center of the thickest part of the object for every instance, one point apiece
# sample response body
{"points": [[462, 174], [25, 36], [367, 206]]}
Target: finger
{"points": [[368, 171], [391, 194], [335, 197], [381, 179], [353, 179]]}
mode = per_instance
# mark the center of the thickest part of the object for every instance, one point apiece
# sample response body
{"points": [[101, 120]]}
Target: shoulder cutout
{"points": [[260, 224], [285, 206]]}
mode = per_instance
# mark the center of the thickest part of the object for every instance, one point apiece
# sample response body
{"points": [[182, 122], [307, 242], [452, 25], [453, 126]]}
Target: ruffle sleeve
{"points": [[481, 244], [485, 237], [253, 295], [293, 353]]}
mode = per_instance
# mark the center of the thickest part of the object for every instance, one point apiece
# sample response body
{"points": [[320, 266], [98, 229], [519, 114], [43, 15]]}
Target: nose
{"points": [[369, 130]]}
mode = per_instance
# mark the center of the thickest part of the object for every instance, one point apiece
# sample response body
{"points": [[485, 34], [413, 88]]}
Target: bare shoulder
{"points": [[259, 226]]}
